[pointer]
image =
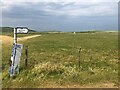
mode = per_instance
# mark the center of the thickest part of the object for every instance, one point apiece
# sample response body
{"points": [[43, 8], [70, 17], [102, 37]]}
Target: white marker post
{"points": [[74, 32], [15, 36], [16, 51]]}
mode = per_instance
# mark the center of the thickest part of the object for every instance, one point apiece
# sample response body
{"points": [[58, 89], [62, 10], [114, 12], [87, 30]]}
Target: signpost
{"points": [[16, 51]]}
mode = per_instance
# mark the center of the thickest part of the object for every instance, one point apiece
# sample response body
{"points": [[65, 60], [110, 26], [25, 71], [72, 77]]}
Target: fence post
{"points": [[26, 53], [79, 52]]}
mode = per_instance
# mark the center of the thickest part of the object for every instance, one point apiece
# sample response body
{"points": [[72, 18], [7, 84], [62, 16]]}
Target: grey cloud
{"points": [[58, 16]]}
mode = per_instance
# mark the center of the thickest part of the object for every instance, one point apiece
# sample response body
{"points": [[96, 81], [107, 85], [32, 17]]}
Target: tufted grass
{"points": [[53, 60]]}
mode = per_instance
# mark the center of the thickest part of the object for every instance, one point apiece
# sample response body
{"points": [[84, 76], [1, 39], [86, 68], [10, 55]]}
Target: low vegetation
{"points": [[53, 61]]}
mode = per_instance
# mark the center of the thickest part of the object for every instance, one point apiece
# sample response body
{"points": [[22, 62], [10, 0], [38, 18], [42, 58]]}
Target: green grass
{"points": [[53, 59]]}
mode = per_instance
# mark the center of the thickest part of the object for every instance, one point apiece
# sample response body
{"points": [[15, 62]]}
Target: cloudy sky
{"points": [[61, 15]]}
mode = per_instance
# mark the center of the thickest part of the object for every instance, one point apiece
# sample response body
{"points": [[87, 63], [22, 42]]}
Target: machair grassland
{"points": [[53, 60]]}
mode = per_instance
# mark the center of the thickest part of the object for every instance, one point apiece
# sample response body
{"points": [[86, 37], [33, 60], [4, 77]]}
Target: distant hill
{"points": [[10, 29]]}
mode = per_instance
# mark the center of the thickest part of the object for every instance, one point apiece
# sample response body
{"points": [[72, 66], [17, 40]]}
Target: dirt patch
{"points": [[105, 85], [7, 40], [27, 37], [97, 85]]}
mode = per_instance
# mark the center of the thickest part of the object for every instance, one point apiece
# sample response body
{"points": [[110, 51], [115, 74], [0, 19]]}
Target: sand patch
{"points": [[49, 84], [105, 85], [7, 40]]}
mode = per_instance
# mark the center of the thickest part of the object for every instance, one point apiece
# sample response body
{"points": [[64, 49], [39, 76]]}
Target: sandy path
{"points": [[27, 37], [9, 40]]}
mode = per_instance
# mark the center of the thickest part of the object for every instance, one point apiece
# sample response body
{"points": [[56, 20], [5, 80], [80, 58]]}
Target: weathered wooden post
{"points": [[26, 53], [79, 52]]}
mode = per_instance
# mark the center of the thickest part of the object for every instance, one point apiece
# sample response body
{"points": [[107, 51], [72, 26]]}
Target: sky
{"points": [[60, 15]]}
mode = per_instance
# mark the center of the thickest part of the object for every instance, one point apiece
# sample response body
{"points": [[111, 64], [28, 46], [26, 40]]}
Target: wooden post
{"points": [[79, 51], [26, 53]]}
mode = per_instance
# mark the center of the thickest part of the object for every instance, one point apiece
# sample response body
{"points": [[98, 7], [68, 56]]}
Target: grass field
{"points": [[53, 61]]}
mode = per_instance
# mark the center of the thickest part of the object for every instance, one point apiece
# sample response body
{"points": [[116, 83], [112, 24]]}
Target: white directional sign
{"points": [[16, 51], [22, 30]]}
